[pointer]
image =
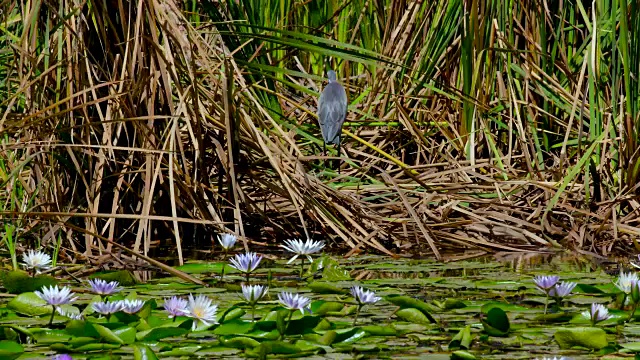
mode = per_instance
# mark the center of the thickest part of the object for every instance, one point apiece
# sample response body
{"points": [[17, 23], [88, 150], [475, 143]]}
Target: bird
{"points": [[332, 110]]}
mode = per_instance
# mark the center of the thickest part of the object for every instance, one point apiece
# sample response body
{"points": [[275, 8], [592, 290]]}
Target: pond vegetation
{"points": [[160, 159], [367, 306]]}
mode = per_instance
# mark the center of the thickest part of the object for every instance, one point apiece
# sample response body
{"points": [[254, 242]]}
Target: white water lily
{"points": [[294, 301], [227, 241], [56, 296], [201, 309], [36, 260], [132, 306], [625, 280], [253, 293], [299, 248]]}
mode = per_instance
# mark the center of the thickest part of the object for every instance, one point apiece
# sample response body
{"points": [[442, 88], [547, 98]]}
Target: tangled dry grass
{"points": [[133, 122]]}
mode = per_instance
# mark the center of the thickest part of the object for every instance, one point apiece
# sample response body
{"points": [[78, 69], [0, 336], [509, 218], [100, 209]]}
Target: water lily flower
{"points": [[294, 301], [297, 247], [624, 281], [56, 296], [71, 316], [364, 296], [107, 308], [132, 306], [175, 306], [61, 357], [246, 263], [101, 287], [562, 289], [597, 313], [201, 309], [545, 283], [252, 294], [227, 241], [36, 261]]}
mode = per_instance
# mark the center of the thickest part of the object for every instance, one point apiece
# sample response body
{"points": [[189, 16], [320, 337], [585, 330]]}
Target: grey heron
{"points": [[332, 110]]}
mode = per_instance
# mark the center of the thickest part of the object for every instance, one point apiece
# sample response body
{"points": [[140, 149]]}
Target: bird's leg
{"points": [[339, 159], [324, 155]]}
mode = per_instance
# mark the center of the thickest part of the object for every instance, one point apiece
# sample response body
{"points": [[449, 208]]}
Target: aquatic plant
{"points": [[176, 306], [107, 308], [561, 290], [36, 261], [246, 263], [227, 241], [72, 316], [104, 288], [252, 294], [304, 249], [292, 302], [362, 297], [132, 306], [546, 283], [596, 313], [624, 282], [56, 296], [201, 309], [61, 357]]}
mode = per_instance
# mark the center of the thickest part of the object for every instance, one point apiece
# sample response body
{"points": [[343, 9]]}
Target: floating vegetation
{"points": [[491, 312]]}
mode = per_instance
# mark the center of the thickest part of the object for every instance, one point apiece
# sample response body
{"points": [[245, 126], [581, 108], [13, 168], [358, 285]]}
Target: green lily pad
{"points": [[496, 322], [29, 304], [588, 337], [17, 282], [10, 350]]}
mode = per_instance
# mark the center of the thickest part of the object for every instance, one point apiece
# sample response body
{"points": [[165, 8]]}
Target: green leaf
{"points": [[160, 333], [107, 334], [496, 322], [321, 287], [143, 352], [413, 315], [240, 342], [462, 355], [462, 340], [232, 313], [409, 302], [81, 328], [29, 304], [206, 268], [326, 339], [451, 304], [633, 346], [10, 350], [234, 327], [377, 330], [51, 336], [17, 282], [278, 347], [588, 337], [127, 334], [323, 307]]}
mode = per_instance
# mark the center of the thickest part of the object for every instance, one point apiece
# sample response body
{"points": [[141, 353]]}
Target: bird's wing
{"points": [[331, 113]]}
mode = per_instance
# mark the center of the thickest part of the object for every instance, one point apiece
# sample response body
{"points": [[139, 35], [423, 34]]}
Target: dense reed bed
{"points": [[472, 124]]}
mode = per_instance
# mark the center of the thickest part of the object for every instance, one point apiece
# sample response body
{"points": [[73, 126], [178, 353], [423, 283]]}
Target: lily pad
{"points": [[588, 337]]}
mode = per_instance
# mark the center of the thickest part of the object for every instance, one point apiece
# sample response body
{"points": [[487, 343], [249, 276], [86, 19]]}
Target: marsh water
{"points": [[453, 295]]}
